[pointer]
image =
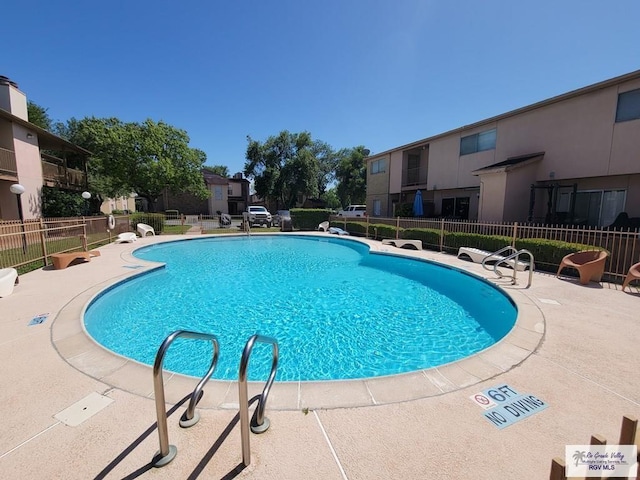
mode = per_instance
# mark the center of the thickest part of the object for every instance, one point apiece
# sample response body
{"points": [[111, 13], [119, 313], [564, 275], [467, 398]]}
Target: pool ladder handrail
{"points": [[259, 423], [168, 452], [515, 256]]}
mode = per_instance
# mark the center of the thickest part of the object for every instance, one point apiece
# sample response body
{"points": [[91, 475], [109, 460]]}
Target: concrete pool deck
{"points": [[574, 347]]}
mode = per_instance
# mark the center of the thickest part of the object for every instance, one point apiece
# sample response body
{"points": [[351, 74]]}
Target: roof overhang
{"points": [[510, 163], [46, 139]]}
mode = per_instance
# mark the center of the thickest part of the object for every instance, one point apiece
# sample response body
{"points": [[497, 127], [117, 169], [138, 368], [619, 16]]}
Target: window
{"points": [[378, 166], [456, 208], [377, 208], [594, 207], [230, 190], [478, 142], [628, 106], [217, 192]]}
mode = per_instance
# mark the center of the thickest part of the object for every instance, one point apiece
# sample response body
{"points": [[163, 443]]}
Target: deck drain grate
{"points": [[83, 410]]}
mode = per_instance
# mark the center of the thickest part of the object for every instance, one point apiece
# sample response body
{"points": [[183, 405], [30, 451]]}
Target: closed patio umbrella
{"points": [[418, 210]]}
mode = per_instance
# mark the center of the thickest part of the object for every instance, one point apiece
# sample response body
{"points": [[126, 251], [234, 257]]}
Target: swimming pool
{"points": [[337, 310]]}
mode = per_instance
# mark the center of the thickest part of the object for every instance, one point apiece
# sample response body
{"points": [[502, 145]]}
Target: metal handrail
{"points": [[496, 254], [168, 452], [260, 423], [516, 258]]}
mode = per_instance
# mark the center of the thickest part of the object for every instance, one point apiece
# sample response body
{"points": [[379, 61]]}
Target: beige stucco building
{"points": [[574, 158], [32, 157]]}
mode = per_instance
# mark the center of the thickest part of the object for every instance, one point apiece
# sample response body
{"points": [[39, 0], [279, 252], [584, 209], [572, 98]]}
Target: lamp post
{"points": [[86, 196], [18, 190]]}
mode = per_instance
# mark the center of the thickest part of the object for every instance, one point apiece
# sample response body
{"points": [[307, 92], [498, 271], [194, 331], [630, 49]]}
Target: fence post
{"points": [[397, 227], [628, 430], [515, 234], [43, 242], [441, 234], [557, 469], [366, 234]]}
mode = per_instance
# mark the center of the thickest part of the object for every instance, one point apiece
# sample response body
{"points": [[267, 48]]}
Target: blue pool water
{"points": [[337, 311]]}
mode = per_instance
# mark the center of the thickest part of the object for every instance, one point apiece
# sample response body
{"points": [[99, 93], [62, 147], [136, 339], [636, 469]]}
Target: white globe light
{"points": [[17, 189], [86, 195]]}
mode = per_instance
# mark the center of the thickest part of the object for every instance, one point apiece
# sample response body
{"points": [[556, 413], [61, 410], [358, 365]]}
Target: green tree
{"points": [[330, 197], [38, 115], [221, 170], [327, 163], [283, 168], [351, 174], [143, 158]]}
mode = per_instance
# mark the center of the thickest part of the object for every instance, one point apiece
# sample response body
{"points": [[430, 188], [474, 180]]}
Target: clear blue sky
{"points": [[351, 72]]}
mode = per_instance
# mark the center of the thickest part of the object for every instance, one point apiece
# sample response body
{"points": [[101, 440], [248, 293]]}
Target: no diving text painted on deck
{"points": [[504, 406]]}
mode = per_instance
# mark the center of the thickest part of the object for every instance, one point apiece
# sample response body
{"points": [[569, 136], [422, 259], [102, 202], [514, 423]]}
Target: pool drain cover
{"points": [[84, 409]]}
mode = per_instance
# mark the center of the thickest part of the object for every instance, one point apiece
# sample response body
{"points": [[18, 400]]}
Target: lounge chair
{"points": [[323, 227], [477, 255], [8, 279], [338, 231], [588, 263], [143, 229], [634, 274], [63, 260], [126, 237], [403, 243]]}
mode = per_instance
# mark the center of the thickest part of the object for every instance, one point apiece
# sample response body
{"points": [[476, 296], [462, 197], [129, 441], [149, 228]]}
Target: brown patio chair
{"points": [[588, 263], [634, 274]]}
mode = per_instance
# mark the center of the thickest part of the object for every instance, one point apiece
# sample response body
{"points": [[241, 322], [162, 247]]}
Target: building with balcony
{"points": [[33, 157], [227, 195], [574, 158]]}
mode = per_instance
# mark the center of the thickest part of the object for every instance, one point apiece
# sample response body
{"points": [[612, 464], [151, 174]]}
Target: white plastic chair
{"points": [[324, 226], [143, 229], [7, 281]]}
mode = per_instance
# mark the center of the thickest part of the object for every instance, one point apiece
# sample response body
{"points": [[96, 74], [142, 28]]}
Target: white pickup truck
{"points": [[259, 215], [353, 211]]}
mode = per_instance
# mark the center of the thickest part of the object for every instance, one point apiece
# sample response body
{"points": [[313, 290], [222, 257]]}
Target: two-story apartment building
{"points": [[227, 195], [574, 158], [32, 157]]}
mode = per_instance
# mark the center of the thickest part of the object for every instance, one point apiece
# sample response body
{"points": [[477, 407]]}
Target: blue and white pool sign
{"points": [[504, 406]]}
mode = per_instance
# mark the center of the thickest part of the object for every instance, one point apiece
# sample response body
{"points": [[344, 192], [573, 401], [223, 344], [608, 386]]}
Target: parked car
{"points": [[353, 211], [280, 214], [259, 215]]}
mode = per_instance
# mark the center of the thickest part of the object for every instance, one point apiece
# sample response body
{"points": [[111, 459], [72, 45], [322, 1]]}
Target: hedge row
{"points": [[308, 218], [547, 253]]}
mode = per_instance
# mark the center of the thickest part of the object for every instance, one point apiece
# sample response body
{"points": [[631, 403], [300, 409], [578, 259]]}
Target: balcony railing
{"points": [[8, 162], [56, 175], [414, 176]]}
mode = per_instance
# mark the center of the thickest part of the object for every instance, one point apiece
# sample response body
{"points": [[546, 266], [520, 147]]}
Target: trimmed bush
{"points": [[430, 237], [549, 253], [490, 243], [308, 218], [378, 231]]}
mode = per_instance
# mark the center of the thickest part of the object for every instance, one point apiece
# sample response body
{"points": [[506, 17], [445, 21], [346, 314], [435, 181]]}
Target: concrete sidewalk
{"points": [[584, 367]]}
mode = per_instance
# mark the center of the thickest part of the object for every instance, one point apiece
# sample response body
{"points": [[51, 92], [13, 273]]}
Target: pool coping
{"points": [[78, 349]]}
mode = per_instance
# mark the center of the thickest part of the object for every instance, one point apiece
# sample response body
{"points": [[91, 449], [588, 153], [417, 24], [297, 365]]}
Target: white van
{"points": [[353, 211]]}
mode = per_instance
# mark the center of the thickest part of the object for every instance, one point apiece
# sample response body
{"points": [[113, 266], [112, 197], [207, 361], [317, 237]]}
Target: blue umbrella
{"points": [[418, 211]]}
